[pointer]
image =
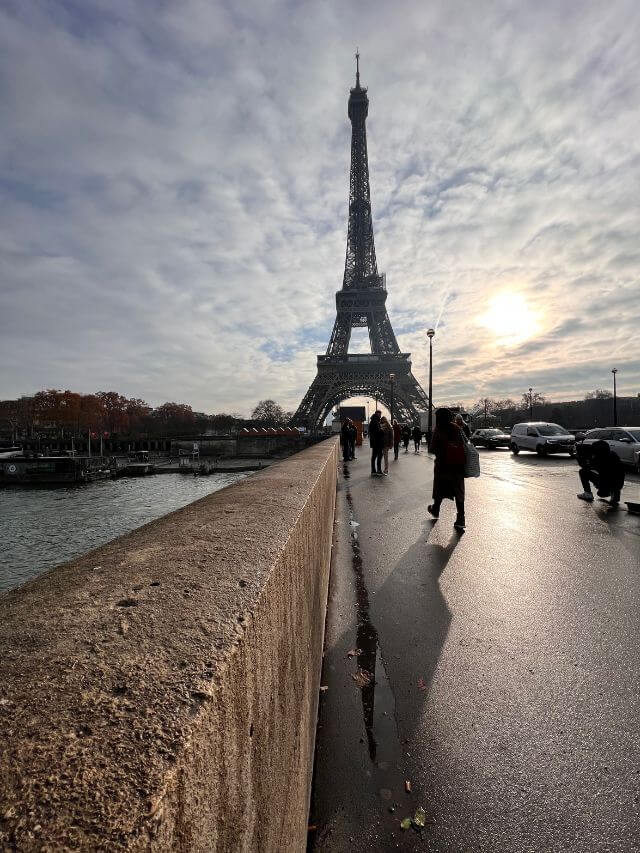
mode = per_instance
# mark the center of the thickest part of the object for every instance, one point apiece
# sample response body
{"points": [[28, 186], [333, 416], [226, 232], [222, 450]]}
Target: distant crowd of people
{"points": [[447, 444]]}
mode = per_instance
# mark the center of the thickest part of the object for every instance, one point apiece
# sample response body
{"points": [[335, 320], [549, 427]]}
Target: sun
{"points": [[510, 318]]}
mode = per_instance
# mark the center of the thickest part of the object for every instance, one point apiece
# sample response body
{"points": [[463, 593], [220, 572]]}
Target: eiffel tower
{"points": [[361, 303]]}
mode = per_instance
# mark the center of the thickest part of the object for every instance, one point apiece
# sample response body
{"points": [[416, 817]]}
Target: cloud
{"points": [[174, 187]]}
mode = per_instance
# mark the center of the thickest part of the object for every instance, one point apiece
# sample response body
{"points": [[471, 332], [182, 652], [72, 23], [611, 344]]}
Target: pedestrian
{"points": [[376, 440], [345, 439], [604, 469], [397, 435], [417, 438], [406, 437], [463, 425], [447, 443], [387, 433], [353, 435]]}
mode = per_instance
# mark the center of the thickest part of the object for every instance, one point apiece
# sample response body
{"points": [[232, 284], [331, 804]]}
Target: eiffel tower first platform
{"points": [[360, 303]]}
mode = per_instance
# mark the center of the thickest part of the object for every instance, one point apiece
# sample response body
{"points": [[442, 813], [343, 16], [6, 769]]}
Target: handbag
{"points": [[471, 460]]}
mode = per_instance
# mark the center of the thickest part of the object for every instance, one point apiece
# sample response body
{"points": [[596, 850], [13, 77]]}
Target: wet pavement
{"points": [[490, 678]]}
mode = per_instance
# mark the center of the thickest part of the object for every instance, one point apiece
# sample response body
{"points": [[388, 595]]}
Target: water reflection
{"points": [[41, 528]]}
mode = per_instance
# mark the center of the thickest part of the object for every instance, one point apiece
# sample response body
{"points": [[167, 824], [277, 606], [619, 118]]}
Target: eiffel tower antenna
{"points": [[361, 303]]}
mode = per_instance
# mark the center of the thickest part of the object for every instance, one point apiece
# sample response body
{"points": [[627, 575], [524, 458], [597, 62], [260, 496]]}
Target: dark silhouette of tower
{"points": [[361, 302]]}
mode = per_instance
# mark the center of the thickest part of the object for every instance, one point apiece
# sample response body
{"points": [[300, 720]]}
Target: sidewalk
{"points": [[505, 666], [361, 771]]}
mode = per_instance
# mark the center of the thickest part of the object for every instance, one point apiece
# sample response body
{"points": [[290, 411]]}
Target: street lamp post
{"points": [[430, 334], [530, 404], [615, 398], [392, 377]]}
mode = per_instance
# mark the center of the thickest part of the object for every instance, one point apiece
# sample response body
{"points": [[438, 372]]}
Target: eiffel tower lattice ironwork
{"points": [[361, 303]]}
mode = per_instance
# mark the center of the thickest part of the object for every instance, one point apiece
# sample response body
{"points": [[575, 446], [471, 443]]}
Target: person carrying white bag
{"points": [[454, 457]]}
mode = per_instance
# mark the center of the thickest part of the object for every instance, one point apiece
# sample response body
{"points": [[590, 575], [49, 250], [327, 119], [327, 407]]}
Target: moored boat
{"points": [[52, 470]]}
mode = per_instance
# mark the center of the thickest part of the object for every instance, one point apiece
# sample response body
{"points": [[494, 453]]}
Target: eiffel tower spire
{"points": [[361, 302], [360, 268]]}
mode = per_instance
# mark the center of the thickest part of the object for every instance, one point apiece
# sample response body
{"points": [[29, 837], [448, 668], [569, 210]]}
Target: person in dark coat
{"points": [[376, 440], [353, 435], [387, 436], [447, 444], [344, 440], [397, 435], [417, 438], [604, 469], [406, 437]]}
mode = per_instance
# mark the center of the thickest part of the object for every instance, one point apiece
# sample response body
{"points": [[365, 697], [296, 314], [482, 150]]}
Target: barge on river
{"points": [[21, 470]]}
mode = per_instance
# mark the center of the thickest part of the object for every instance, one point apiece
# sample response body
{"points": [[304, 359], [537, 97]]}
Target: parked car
{"points": [[543, 438], [490, 437], [625, 441]]}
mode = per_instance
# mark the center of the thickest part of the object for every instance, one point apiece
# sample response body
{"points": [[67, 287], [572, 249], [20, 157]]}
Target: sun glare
{"points": [[510, 318]]}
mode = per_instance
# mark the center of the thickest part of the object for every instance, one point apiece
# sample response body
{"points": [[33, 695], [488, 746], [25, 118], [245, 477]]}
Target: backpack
{"points": [[453, 452]]}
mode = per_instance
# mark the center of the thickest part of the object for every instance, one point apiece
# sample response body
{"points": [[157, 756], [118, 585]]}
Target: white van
{"points": [[543, 438]]}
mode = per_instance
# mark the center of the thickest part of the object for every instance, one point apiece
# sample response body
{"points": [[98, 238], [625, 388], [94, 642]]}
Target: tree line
{"points": [[108, 413], [596, 409]]}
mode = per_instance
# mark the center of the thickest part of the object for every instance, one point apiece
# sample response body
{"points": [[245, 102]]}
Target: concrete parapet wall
{"points": [[160, 693]]}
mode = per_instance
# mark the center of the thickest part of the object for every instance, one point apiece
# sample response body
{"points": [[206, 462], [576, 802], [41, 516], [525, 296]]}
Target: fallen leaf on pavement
{"points": [[420, 817], [406, 823], [407, 786], [352, 653], [362, 678]]}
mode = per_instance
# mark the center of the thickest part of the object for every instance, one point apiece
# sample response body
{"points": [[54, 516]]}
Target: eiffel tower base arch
{"points": [[340, 377]]}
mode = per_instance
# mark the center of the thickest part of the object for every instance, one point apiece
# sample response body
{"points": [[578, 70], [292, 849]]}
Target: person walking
{"points": [[397, 435], [353, 435], [406, 437], [417, 438], [376, 440], [345, 440], [604, 469], [387, 434], [447, 444]]}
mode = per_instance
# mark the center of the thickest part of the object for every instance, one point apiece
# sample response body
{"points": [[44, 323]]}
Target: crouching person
{"points": [[603, 469]]}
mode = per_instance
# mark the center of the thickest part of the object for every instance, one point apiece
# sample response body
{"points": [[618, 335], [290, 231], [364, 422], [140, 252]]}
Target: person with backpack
{"points": [[417, 438], [406, 437], [447, 444]]}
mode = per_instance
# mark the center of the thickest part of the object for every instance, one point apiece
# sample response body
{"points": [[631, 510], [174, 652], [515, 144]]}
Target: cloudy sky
{"points": [[174, 178]]}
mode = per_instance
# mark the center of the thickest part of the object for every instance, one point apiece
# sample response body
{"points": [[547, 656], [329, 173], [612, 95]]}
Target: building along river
{"points": [[41, 528]]}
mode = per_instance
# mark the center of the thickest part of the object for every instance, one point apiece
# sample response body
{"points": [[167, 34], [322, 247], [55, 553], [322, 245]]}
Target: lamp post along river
{"points": [[430, 334]]}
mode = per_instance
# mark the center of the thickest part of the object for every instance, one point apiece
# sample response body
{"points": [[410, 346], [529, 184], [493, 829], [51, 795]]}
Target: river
{"points": [[41, 528]]}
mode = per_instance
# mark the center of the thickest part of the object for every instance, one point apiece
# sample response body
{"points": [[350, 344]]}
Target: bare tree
{"points": [[484, 408], [599, 394], [269, 413]]}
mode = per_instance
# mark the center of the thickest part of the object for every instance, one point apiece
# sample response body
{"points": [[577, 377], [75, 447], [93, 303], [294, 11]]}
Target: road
{"points": [[506, 665]]}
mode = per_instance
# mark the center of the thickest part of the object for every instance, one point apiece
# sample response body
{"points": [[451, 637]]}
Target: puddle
{"points": [[378, 702]]}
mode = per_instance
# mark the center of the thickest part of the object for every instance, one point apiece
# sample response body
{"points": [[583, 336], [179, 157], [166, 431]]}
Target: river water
{"points": [[41, 528]]}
